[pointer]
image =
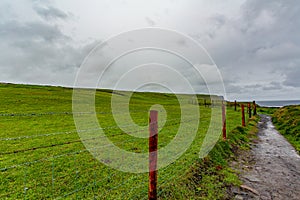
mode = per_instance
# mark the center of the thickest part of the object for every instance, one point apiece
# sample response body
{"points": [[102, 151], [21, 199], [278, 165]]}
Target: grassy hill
{"points": [[42, 155], [287, 121]]}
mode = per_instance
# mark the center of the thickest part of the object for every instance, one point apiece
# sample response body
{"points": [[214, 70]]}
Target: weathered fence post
{"points": [[153, 139], [234, 105], [249, 109], [243, 115], [254, 108], [224, 120]]}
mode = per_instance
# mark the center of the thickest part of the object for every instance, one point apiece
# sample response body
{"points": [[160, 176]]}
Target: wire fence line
{"points": [[63, 133], [65, 113], [77, 141], [76, 131], [61, 155], [80, 140], [92, 183], [79, 187], [162, 182]]}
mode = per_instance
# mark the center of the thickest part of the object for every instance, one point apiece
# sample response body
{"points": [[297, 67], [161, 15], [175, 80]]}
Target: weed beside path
{"points": [[287, 122]]}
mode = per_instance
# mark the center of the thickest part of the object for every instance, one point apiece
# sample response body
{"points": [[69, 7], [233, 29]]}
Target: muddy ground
{"points": [[271, 169]]}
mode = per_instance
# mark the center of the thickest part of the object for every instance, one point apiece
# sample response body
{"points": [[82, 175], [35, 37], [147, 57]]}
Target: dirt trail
{"points": [[272, 169]]}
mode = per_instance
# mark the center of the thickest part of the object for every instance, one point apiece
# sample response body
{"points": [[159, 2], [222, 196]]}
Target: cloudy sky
{"points": [[254, 43]]}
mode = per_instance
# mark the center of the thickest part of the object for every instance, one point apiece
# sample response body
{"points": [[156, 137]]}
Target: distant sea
{"points": [[278, 103]]}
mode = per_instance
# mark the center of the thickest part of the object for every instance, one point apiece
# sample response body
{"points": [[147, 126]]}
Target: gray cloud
{"points": [[50, 13], [230, 88], [13, 30], [256, 45], [273, 85], [40, 53], [259, 45], [293, 78]]}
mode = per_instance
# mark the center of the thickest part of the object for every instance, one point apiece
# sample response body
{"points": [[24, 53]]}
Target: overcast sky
{"points": [[254, 43]]}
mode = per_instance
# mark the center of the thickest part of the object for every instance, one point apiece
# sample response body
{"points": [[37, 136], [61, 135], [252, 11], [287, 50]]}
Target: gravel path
{"points": [[272, 169]]}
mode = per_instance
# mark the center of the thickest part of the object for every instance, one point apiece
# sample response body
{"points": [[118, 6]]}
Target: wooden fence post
{"points": [[249, 109], [243, 115], [153, 139], [254, 108], [234, 105], [224, 120]]}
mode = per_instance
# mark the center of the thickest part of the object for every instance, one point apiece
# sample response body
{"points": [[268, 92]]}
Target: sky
{"points": [[254, 44]]}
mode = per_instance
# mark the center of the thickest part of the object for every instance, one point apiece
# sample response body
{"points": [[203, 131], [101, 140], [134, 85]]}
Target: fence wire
{"points": [[96, 183]]}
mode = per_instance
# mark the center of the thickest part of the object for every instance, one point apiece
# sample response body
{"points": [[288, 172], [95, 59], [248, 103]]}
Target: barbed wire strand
{"points": [[65, 113], [74, 131], [163, 181], [95, 182], [77, 189], [54, 157], [61, 155], [111, 175], [72, 113], [75, 141]]}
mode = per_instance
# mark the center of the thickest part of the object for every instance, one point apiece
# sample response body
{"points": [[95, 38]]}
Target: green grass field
{"points": [[42, 156]]}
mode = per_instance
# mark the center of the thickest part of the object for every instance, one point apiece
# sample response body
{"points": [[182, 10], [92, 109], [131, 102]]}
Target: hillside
{"points": [[287, 121], [42, 155]]}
